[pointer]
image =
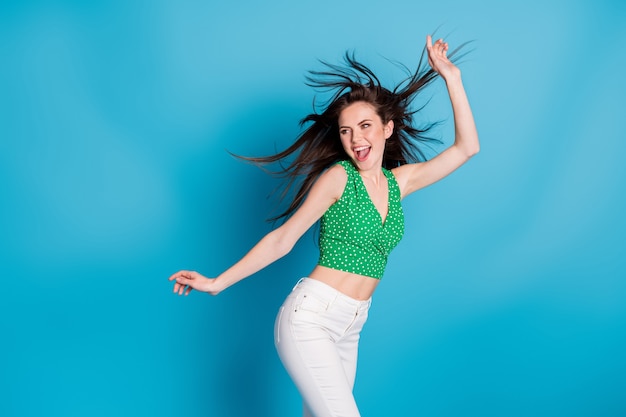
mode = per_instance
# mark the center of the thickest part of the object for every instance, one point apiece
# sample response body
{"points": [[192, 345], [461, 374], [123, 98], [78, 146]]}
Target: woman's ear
{"points": [[388, 129]]}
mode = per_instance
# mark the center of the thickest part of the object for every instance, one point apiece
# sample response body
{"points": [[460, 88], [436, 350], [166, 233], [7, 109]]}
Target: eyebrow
{"points": [[358, 124]]}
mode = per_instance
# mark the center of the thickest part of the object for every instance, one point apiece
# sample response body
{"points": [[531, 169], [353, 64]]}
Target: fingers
{"points": [[437, 53], [183, 282], [182, 289], [183, 277], [439, 47], [183, 274]]}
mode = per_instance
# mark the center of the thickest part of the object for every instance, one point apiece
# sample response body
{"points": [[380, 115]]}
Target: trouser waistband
{"points": [[327, 292]]}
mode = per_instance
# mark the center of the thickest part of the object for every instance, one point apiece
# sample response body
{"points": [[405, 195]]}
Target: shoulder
{"points": [[334, 179], [340, 167], [326, 190], [343, 165]]}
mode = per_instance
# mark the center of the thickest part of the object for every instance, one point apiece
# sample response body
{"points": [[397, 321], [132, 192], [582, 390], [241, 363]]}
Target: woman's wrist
{"points": [[453, 77], [216, 285]]}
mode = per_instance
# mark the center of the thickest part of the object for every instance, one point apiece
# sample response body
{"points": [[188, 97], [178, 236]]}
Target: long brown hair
{"points": [[319, 146]]}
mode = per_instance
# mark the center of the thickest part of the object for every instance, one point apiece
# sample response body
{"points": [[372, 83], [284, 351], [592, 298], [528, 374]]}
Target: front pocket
{"points": [[310, 302]]}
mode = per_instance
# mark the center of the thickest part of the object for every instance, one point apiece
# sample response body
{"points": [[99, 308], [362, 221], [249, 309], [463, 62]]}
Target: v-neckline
{"points": [[380, 216]]}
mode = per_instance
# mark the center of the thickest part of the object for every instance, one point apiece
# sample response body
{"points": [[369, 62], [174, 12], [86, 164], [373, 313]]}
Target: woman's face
{"points": [[363, 135]]}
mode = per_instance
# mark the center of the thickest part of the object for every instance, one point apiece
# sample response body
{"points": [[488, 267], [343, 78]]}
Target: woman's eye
{"points": [[343, 131], [365, 125]]}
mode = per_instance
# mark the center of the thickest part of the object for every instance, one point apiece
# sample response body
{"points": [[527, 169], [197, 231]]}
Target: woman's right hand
{"points": [[185, 281]]}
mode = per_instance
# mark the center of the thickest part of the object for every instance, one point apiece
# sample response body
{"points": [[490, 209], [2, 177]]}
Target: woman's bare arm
{"points": [[412, 177], [276, 244]]}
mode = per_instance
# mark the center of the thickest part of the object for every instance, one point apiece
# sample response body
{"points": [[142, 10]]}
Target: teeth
{"points": [[360, 148]]}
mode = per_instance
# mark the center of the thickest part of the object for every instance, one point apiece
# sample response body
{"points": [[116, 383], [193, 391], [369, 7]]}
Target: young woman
{"points": [[358, 163]]}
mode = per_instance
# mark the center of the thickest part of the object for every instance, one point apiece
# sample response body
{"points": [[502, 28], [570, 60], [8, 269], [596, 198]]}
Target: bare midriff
{"points": [[355, 286]]}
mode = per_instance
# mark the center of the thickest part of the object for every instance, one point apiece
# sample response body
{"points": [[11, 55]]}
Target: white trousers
{"points": [[317, 334]]}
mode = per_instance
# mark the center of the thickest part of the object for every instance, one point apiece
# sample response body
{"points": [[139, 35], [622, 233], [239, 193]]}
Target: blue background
{"points": [[507, 296]]}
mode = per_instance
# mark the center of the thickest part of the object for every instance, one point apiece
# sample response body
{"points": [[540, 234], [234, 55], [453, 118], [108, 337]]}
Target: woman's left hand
{"points": [[438, 59]]}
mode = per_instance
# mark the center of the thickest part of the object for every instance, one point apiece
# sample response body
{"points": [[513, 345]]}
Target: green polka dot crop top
{"points": [[353, 237]]}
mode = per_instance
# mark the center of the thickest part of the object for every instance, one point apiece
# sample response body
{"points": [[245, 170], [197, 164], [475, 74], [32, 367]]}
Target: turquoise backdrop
{"points": [[506, 298]]}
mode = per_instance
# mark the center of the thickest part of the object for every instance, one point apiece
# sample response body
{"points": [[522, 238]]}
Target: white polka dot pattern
{"points": [[353, 237]]}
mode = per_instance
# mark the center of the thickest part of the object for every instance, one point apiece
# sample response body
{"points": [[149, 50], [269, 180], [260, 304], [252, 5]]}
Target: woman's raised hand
{"points": [[185, 281], [438, 59]]}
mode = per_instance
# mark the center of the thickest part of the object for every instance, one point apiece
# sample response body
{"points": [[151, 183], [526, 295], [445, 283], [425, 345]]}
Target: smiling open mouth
{"points": [[362, 152]]}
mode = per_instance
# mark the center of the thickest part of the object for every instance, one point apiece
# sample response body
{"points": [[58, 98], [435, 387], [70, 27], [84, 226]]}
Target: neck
{"points": [[374, 176]]}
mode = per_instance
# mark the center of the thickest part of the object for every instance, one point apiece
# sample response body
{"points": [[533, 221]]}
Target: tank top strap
{"points": [[353, 176], [349, 168], [394, 187]]}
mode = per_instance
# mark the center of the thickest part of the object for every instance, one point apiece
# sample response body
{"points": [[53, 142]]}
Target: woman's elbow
{"points": [[468, 145], [283, 248], [281, 243], [473, 150]]}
